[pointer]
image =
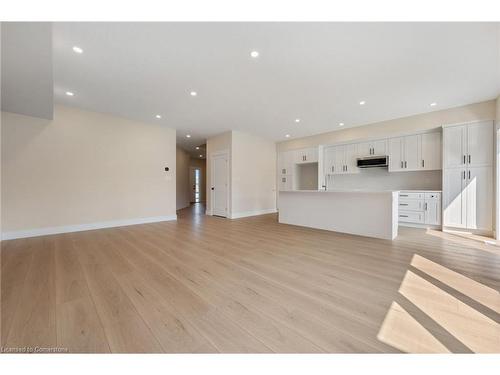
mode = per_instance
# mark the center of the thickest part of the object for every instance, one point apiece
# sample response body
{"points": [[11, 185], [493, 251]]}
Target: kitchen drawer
{"points": [[411, 204], [411, 217], [415, 195], [429, 196]]}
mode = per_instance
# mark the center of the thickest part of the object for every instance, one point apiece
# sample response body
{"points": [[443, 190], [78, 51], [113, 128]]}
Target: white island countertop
{"points": [[342, 191], [364, 212]]}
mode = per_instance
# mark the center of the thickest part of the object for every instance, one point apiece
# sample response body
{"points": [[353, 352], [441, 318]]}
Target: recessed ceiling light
{"points": [[287, 136], [362, 102], [297, 120], [193, 93], [433, 104], [77, 49], [188, 135], [158, 116], [341, 124], [197, 147], [201, 156], [254, 54], [69, 93]]}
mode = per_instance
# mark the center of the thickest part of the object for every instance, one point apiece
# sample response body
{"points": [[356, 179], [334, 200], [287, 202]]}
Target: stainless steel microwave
{"points": [[373, 162]]}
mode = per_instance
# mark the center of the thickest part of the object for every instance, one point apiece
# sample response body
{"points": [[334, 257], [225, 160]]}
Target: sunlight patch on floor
{"points": [[405, 333], [475, 330], [481, 293]]}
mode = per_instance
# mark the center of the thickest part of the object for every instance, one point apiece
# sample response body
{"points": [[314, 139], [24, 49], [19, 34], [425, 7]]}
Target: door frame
{"points": [[496, 151], [213, 155], [191, 193]]}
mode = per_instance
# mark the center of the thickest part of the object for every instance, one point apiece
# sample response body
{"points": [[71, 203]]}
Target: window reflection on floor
{"points": [[469, 325]]}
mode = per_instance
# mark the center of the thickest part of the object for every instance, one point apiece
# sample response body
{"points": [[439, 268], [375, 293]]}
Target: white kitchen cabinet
{"points": [[454, 204], [479, 198], [420, 208], [329, 160], [411, 148], [480, 144], [431, 151], [415, 152], [468, 176], [396, 154], [378, 147], [454, 146], [341, 159], [306, 155], [285, 163], [350, 158], [285, 183]]}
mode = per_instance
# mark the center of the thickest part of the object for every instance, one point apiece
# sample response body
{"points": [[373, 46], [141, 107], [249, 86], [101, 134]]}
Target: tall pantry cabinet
{"points": [[468, 176]]}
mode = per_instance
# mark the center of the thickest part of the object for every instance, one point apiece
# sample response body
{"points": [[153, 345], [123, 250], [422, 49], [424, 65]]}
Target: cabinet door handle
{"points": [[464, 159], [464, 175], [403, 195], [425, 206], [333, 169], [401, 164], [469, 158], [406, 166], [423, 163], [403, 215], [469, 175], [403, 204]]}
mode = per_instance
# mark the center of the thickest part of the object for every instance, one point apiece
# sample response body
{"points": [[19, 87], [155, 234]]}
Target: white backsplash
{"points": [[380, 178]]}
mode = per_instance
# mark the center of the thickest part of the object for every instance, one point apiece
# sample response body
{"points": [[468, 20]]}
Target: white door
{"points": [[479, 195], [454, 146], [431, 151], [480, 144], [412, 152], [454, 197], [380, 147], [396, 159], [350, 156], [219, 185]]}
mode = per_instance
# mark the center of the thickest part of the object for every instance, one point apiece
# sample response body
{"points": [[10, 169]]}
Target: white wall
{"points": [[253, 175], [83, 168], [182, 160]]}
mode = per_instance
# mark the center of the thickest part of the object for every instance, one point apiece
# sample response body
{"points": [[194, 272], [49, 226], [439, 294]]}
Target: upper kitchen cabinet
{"points": [[431, 151], [379, 148], [480, 144], [404, 153], [415, 152], [341, 159], [468, 145], [286, 162], [306, 155]]}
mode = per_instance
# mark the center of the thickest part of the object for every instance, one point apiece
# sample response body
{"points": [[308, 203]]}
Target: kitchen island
{"points": [[370, 213]]}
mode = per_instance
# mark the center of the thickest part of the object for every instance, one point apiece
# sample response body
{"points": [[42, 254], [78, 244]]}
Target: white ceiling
{"points": [[318, 72], [26, 74]]}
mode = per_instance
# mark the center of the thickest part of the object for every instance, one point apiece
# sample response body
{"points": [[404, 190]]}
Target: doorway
{"points": [[195, 184], [219, 188]]}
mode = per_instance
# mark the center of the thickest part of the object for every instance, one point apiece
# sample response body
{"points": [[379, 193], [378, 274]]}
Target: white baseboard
{"points": [[238, 215], [422, 226], [82, 227]]}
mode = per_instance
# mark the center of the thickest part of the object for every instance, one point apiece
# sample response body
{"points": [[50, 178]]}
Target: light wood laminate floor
{"points": [[207, 284]]}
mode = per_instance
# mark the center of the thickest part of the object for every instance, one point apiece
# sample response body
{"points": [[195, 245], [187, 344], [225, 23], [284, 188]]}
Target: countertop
{"points": [[341, 191]]}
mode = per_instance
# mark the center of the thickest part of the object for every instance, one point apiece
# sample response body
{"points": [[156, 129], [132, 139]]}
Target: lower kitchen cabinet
{"points": [[419, 208]]}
